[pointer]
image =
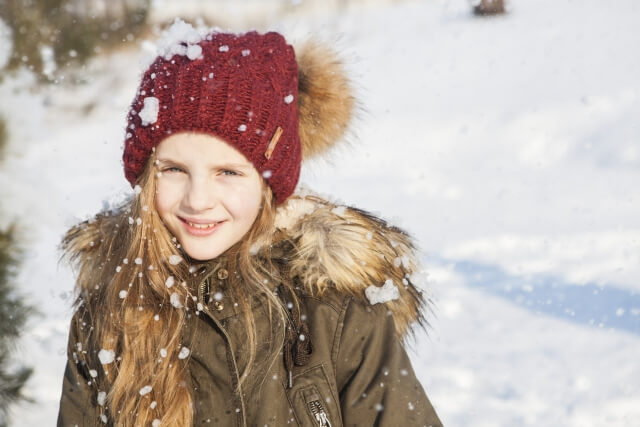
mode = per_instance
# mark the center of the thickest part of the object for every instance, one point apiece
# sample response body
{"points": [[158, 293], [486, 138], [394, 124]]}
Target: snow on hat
{"points": [[247, 89]]}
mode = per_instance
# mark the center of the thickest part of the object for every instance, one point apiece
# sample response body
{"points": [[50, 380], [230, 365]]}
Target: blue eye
{"points": [[172, 169], [229, 172]]}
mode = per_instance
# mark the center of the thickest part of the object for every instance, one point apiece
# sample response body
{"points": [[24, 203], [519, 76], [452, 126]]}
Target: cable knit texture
{"points": [[241, 89]]}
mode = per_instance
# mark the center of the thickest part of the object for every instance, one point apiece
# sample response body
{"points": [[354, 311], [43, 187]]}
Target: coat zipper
{"points": [[319, 414], [203, 291]]}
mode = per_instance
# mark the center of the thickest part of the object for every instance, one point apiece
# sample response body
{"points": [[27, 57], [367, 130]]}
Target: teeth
{"points": [[201, 226]]}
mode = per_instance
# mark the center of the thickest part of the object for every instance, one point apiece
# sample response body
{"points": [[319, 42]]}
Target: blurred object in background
{"points": [[13, 314], [488, 7], [45, 35], [52, 36], [243, 15], [3, 137]]}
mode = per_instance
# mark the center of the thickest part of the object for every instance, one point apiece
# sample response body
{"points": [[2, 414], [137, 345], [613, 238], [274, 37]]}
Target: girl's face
{"points": [[208, 193]]}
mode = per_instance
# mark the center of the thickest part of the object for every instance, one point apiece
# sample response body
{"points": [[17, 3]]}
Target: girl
{"points": [[216, 295]]}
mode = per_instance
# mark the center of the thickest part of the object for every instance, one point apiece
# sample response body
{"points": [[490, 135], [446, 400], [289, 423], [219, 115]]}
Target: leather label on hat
{"points": [[273, 142]]}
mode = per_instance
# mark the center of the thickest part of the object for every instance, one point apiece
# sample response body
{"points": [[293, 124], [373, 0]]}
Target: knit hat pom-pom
{"points": [[325, 99]]}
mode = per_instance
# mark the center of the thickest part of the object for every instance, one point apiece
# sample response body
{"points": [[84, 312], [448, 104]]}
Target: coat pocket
{"points": [[312, 400]]}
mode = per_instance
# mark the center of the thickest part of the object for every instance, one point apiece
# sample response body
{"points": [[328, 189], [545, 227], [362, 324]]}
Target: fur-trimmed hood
{"points": [[344, 251], [326, 245], [356, 253]]}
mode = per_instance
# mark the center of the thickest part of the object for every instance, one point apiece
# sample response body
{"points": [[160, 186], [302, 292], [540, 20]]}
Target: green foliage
{"points": [[13, 314], [73, 30], [11, 387]]}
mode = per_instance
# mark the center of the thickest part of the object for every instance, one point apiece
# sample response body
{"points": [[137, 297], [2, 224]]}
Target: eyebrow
{"points": [[220, 166]]}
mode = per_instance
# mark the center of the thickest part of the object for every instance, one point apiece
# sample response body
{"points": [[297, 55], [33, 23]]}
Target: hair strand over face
{"points": [[126, 306]]}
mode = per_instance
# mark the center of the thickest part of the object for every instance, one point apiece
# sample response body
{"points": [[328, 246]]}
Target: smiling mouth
{"points": [[201, 229], [202, 226]]}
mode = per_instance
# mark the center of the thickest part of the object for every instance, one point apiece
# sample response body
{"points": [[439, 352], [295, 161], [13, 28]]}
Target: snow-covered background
{"points": [[508, 146]]}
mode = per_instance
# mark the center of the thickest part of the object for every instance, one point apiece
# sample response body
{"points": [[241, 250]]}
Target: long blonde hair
{"points": [[135, 301]]}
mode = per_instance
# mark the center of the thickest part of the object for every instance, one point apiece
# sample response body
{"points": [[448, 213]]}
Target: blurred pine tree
{"points": [[13, 314]]}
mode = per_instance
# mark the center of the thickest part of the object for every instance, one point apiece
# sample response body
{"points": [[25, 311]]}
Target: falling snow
{"points": [[169, 282], [145, 390], [175, 38], [575, 137], [102, 398], [175, 300], [377, 295], [194, 52], [106, 356], [184, 353], [149, 112]]}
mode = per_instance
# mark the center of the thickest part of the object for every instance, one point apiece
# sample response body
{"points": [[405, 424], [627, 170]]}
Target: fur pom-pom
{"points": [[325, 98]]}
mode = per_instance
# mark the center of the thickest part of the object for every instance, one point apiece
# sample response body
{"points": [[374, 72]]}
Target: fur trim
{"points": [[325, 246], [325, 99], [350, 250]]}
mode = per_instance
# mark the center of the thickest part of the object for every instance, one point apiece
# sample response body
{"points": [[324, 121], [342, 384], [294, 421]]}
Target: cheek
{"points": [[255, 207], [166, 196], [246, 204]]}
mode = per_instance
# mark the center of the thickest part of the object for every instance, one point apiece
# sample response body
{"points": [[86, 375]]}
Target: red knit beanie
{"points": [[242, 88]]}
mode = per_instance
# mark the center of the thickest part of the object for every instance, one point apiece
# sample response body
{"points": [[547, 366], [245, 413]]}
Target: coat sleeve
{"points": [[377, 384], [77, 403]]}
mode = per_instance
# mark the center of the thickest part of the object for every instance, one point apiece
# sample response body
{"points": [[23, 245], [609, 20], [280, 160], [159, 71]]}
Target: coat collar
{"points": [[351, 250], [326, 245]]}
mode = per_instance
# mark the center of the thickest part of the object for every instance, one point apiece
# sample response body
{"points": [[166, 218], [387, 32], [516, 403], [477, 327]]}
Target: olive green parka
{"points": [[350, 367]]}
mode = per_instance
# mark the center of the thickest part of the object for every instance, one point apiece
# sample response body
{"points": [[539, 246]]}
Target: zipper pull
{"points": [[319, 414], [322, 419]]}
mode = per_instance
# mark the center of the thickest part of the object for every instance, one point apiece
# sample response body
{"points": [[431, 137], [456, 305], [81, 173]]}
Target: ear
{"points": [[325, 98]]}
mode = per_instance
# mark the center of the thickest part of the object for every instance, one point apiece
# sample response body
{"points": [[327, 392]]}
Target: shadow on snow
{"points": [[589, 304]]}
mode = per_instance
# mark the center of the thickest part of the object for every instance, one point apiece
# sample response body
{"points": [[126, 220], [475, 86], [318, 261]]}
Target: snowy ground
{"points": [[509, 147]]}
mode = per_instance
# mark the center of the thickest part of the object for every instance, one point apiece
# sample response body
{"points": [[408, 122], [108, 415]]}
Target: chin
{"points": [[202, 254]]}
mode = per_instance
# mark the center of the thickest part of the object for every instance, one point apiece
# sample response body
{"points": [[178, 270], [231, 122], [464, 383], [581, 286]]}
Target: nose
{"points": [[199, 196]]}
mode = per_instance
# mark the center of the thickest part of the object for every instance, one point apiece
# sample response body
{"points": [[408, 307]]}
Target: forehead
{"points": [[191, 146]]}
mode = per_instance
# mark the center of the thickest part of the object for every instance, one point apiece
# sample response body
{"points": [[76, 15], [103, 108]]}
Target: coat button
{"points": [[218, 305], [223, 274]]}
